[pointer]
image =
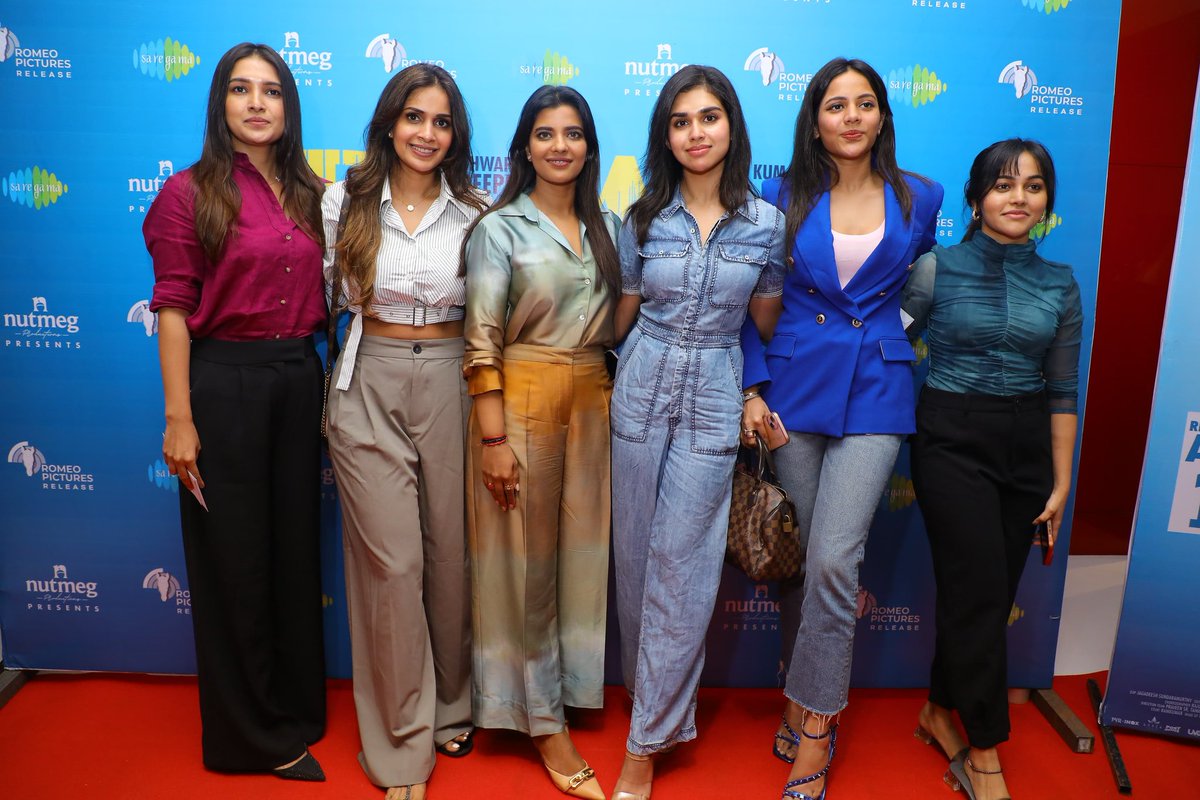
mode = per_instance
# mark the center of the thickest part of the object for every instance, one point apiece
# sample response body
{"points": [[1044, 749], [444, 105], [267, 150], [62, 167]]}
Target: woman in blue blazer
{"points": [[838, 372]]}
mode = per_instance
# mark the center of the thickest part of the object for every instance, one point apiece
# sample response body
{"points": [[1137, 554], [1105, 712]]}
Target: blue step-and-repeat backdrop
{"points": [[103, 101]]}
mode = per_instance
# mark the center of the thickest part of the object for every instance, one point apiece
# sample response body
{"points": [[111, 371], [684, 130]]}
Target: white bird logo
{"points": [[8, 43], [1021, 76], [768, 64], [390, 51]]}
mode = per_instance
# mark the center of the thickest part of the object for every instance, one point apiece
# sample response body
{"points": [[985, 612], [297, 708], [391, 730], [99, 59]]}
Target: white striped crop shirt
{"points": [[416, 275]]}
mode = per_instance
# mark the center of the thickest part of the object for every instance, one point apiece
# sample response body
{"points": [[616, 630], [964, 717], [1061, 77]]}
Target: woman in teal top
{"points": [[995, 438]]}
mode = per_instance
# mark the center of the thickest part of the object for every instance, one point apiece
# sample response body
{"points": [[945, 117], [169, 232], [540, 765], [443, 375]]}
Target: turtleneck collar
{"points": [[992, 250]]}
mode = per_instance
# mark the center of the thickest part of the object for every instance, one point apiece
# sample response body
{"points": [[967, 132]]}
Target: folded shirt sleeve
{"points": [[489, 274], [179, 259]]}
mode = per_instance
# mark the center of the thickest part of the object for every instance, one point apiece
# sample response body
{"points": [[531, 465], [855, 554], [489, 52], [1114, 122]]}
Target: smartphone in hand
{"points": [[776, 436]]}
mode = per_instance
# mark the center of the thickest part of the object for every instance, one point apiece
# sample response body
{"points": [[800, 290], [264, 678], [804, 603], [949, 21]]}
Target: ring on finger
{"points": [[491, 486]]}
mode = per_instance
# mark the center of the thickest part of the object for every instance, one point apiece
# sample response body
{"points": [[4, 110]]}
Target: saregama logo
{"points": [[33, 187], [557, 69], [1044, 227], [166, 59], [899, 492], [1046, 6], [914, 86]]}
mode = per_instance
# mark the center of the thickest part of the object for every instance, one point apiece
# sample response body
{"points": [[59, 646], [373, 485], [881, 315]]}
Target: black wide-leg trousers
{"points": [[982, 472], [253, 558]]}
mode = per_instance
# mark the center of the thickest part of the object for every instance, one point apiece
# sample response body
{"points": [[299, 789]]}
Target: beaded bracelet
{"points": [[494, 441]]}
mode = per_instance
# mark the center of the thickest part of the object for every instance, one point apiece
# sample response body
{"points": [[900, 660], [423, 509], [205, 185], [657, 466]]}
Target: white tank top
{"points": [[851, 250]]}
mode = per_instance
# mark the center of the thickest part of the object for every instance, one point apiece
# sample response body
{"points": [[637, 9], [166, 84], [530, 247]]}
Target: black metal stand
{"points": [[11, 680], [1072, 730], [1110, 743]]}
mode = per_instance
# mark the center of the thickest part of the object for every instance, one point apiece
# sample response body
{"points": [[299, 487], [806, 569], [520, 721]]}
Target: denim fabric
{"points": [[836, 484], [676, 409]]}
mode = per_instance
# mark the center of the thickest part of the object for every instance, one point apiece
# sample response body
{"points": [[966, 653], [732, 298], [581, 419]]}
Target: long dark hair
{"points": [[1000, 158], [812, 171], [522, 176], [359, 244], [662, 172], [217, 199]]}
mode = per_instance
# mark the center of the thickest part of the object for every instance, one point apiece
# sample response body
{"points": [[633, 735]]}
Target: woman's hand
{"points": [[181, 448], [1052, 514], [500, 475], [756, 421]]}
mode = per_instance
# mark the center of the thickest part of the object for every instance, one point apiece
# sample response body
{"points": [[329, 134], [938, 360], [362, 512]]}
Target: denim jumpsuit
{"points": [[676, 412]]}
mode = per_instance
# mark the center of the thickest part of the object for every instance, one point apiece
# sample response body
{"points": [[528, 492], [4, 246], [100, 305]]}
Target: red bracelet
{"points": [[494, 440]]}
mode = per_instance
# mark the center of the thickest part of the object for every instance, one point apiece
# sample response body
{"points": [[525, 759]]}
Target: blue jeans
{"points": [[675, 417], [836, 485]]}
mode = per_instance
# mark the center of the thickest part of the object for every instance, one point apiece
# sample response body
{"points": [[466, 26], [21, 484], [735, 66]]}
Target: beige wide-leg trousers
{"points": [[396, 442], [540, 571]]}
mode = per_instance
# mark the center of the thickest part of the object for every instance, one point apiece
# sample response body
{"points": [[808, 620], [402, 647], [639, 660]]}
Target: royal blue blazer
{"points": [[839, 362]]}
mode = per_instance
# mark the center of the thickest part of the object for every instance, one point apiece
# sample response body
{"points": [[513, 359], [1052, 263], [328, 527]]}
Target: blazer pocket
{"points": [[897, 350], [782, 346]]}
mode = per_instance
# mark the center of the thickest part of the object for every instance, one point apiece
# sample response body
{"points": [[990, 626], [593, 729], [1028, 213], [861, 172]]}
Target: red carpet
{"points": [[125, 736]]}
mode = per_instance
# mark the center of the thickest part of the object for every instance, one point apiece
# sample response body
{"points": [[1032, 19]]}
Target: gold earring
{"points": [[1043, 219], [391, 136], [975, 214]]}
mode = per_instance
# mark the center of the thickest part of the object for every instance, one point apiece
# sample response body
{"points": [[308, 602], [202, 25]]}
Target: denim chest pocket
{"points": [[738, 267], [665, 269]]}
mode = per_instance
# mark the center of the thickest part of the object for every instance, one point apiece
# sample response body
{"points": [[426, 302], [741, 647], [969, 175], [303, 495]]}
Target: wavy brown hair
{"points": [[359, 243], [522, 177], [217, 199], [813, 172]]}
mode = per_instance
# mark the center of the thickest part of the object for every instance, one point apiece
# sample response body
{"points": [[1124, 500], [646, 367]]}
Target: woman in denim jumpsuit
{"points": [[696, 251]]}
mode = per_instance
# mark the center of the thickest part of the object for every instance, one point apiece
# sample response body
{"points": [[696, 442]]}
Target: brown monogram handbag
{"points": [[764, 539]]}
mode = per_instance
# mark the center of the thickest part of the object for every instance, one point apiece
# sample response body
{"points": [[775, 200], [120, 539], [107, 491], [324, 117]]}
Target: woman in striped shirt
{"points": [[397, 410]]}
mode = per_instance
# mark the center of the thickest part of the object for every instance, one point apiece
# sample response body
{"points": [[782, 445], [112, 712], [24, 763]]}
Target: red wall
{"points": [[1157, 62]]}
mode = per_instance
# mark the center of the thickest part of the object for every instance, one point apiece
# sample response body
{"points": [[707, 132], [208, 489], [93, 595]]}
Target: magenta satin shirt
{"points": [[268, 283]]}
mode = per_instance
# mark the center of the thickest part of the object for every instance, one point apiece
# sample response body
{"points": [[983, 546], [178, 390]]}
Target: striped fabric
{"points": [[416, 275]]}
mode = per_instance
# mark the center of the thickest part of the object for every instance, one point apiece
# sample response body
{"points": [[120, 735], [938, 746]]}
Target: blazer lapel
{"points": [[814, 247], [890, 250]]}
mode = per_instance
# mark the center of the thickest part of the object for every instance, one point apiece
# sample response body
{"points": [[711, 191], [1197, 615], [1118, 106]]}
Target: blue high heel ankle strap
{"points": [[788, 793]]}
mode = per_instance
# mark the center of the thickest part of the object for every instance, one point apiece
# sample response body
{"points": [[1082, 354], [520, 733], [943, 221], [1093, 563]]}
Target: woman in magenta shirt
{"points": [[236, 241]]}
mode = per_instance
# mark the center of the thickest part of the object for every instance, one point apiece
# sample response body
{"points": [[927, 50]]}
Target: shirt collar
{"points": [[521, 206], [445, 195], [748, 209]]}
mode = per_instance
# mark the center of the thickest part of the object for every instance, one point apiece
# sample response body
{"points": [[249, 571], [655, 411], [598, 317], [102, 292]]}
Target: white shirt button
{"points": [[282, 301], [587, 281], [582, 317]]}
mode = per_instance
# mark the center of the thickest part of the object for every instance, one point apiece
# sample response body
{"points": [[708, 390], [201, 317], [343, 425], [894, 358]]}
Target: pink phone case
{"points": [[777, 436]]}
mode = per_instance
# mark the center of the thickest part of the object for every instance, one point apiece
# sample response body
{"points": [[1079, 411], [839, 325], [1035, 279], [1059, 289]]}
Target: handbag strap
{"points": [[766, 462], [335, 298]]}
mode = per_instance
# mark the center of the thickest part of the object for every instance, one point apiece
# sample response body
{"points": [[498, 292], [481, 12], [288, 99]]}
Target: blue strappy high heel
{"points": [[791, 738], [789, 792]]}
